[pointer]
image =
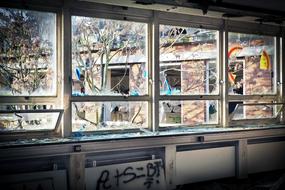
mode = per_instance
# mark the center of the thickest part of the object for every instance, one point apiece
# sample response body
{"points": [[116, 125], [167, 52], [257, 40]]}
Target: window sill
{"points": [[170, 132]]}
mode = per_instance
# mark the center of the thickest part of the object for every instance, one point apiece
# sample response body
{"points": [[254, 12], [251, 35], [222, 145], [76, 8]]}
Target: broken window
{"points": [[188, 67], [251, 72], [188, 113], [109, 59], [28, 72], [188, 61], [100, 116], [27, 119]]}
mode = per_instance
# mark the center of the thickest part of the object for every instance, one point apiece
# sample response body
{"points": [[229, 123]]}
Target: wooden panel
{"points": [[204, 164], [266, 156]]}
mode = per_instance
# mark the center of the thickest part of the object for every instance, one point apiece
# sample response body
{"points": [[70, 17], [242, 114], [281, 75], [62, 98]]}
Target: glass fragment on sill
{"points": [[188, 61], [27, 53], [109, 57], [29, 120], [100, 116], [188, 113], [248, 110]]}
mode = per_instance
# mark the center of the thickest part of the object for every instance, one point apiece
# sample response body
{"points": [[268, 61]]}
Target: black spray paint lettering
{"points": [[127, 173], [151, 173], [104, 180]]}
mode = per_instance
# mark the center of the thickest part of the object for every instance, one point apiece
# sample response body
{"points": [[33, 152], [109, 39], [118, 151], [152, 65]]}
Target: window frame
{"points": [[263, 30], [37, 99], [180, 20], [64, 96], [128, 16]]}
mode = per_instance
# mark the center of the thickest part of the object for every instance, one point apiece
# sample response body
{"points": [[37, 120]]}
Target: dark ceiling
{"points": [[263, 11], [278, 5]]}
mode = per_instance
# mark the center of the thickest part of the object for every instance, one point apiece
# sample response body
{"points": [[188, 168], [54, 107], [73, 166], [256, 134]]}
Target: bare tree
{"points": [[99, 43], [25, 55]]}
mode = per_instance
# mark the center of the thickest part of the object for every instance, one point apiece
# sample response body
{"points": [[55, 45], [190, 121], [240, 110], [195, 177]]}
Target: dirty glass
{"points": [[109, 57], [28, 120], [27, 53], [25, 106], [241, 110], [179, 113], [188, 61], [100, 116], [251, 65]]}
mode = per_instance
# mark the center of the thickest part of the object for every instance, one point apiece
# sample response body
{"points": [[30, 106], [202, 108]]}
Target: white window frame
{"points": [[194, 22], [259, 29], [40, 100], [115, 15]]}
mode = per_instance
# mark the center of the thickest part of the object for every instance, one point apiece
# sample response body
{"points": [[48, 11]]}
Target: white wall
{"points": [[205, 164]]}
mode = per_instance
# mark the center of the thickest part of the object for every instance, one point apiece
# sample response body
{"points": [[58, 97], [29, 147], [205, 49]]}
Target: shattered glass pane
{"points": [[251, 110], [109, 57], [98, 116], [179, 113], [188, 61], [27, 53], [28, 120], [251, 64]]}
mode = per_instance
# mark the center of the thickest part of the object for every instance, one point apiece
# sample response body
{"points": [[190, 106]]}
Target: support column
{"points": [[170, 168], [241, 159], [76, 172]]}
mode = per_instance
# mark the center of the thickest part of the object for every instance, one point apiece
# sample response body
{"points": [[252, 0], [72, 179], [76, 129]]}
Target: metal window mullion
{"points": [[155, 72], [282, 73], [108, 98], [252, 97], [220, 72], [66, 51], [149, 47], [26, 100], [224, 76], [276, 66], [190, 97], [278, 72], [59, 62]]}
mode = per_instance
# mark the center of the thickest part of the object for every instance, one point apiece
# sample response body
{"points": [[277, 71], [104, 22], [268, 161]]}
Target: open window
{"points": [[252, 79], [28, 72]]}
